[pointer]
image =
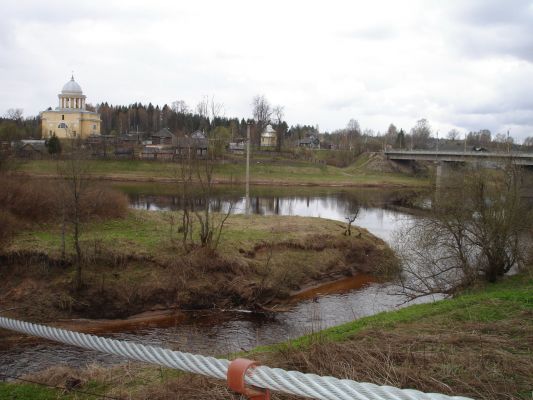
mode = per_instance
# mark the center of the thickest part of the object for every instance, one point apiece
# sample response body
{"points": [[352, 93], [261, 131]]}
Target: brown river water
{"points": [[223, 332]]}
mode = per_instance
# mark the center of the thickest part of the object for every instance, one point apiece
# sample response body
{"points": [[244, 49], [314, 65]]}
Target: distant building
{"points": [[164, 136], [311, 142], [71, 118], [268, 137], [158, 152], [237, 147], [194, 146], [33, 149]]}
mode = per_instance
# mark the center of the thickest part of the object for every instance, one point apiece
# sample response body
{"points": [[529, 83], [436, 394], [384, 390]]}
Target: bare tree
{"points": [[211, 224], [14, 114], [454, 134], [74, 172], [279, 113], [391, 135], [353, 128], [185, 178], [199, 169], [180, 107], [420, 134], [353, 212], [262, 112], [528, 143], [216, 109], [202, 108], [476, 231]]}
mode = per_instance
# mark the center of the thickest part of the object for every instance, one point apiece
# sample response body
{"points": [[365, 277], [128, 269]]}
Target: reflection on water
{"points": [[226, 332], [336, 206]]}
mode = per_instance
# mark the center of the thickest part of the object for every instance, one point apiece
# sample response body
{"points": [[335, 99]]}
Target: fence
{"points": [[239, 373]]}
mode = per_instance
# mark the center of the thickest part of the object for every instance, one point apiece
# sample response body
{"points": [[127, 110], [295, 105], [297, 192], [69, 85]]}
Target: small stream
{"points": [[217, 333]]}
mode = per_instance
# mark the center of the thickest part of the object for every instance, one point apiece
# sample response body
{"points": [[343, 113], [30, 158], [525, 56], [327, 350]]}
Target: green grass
{"points": [[22, 391], [508, 300], [144, 232], [492, 302], [263, 171]]}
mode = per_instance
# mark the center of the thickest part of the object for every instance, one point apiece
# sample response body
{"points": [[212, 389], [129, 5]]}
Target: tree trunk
{"points": [[78, 279]]}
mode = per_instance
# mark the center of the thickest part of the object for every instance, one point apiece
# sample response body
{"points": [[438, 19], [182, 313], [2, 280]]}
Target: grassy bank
{"points": [[479, 344], [138, 263], [263, 171]]}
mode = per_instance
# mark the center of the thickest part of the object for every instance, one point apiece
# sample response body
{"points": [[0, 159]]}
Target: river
{"points": [[217, 333]]}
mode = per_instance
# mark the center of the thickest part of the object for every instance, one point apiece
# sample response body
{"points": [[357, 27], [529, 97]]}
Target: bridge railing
{"points": [[243, 376], [459, 153]]}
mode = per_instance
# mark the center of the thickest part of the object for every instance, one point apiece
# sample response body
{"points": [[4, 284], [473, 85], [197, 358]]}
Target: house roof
{"points": [[192, 142], [164, 133], [309, 140], [37, 145], [236, 146], [269, 131], [198, 135]]}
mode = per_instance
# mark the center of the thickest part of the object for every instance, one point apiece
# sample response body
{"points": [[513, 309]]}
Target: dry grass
{"points": [[477, 345], [33, 201], [482, 361], [133, 265], [8, 226], [486, 361], [28, 200]]}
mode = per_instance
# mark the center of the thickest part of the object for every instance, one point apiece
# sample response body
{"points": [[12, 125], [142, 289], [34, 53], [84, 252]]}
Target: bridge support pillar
{"points": [[442, 170]]}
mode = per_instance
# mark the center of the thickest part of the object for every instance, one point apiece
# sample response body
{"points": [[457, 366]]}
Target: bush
{"points": [[42, 201], [105, 203], [30, 200], [8, 226]]}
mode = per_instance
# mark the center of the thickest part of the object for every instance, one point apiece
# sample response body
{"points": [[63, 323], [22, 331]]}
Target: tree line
{"points": [[208, 116]]}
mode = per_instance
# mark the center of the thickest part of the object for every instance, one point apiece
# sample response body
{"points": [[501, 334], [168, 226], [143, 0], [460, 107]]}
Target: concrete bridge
{"points": [[525, 159]]}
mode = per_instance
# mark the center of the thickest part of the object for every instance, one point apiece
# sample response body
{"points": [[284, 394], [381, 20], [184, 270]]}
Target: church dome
{"points": [[71, 87]]}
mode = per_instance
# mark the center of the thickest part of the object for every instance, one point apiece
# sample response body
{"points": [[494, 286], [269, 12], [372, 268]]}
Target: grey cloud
{"points": [[488, 28], [509, 41], [490, 12]]}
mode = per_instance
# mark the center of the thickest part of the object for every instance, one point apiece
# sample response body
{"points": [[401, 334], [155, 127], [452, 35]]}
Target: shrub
{"points": [[8, 226], [42, 201]]}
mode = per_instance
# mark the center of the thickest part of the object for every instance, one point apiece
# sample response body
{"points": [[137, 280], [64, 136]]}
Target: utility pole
{"points": [[248, 169], [508, 142], [437, 154]]}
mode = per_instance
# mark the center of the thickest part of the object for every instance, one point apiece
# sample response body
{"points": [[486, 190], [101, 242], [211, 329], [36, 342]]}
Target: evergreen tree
{"points": [[54, 145]]}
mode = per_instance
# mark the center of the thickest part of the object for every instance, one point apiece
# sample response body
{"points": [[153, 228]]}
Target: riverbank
{"points": [[138, 264], [272, 171], [478, 344]]}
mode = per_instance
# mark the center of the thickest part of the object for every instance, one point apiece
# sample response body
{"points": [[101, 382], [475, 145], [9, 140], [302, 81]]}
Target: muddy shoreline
{"points": [[169, 317]]}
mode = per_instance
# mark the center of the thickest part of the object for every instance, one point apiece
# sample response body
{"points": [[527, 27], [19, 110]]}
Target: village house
{"points": [[268, 137], [158, 152], [31, 149], [193, 146], [310, 142], [164, 137], [162, 147], [238, 146]]}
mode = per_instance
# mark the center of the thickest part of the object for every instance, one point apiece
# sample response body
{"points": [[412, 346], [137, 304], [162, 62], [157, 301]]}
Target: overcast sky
{"points": [[465, 64]]}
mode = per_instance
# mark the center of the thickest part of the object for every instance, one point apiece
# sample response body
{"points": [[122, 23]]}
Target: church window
{"points": [[63, 117], [62, 125], [94, 126]]}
